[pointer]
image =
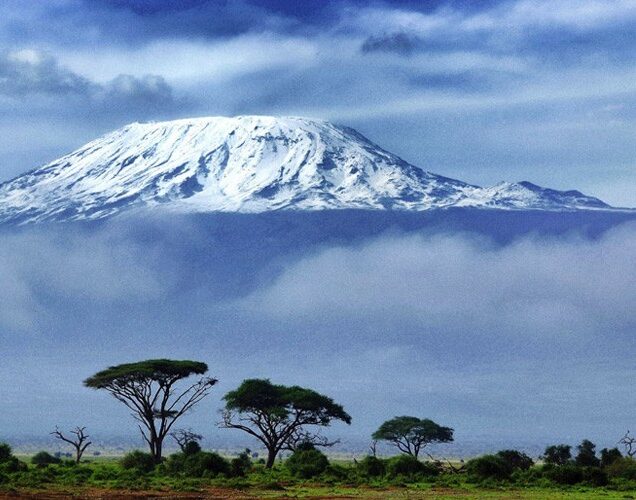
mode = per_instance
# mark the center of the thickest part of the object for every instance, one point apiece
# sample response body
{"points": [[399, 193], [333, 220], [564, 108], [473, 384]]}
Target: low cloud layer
{"points": [[533, 335], [532, 290]]}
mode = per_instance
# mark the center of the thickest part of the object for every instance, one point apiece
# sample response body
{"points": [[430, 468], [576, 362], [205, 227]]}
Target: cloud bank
{"points": [[533, 335]]}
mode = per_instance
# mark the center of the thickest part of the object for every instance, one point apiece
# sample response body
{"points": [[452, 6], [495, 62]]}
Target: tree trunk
{"points": [[157, 452], [271, 458]]}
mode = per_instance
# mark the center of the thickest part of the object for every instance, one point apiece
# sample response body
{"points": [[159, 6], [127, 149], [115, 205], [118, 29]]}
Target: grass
{"points": [[105, 478]]}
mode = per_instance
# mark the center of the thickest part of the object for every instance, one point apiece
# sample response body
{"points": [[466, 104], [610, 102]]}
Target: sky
{"points": [[482, 91]]}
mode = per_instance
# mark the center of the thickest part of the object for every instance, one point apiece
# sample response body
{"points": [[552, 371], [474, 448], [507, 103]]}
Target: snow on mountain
{"points": [[249, 164]]}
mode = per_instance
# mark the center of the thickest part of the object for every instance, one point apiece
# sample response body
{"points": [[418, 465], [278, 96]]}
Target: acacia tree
{"points": [[410, 435], [276, 414], [80, 442], [149, 389]]}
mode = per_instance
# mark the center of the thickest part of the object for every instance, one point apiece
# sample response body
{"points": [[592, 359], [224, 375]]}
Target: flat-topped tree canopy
{"points": [[412, 434], [277, 414], [153, 369], [262, 395], [151, 390]]}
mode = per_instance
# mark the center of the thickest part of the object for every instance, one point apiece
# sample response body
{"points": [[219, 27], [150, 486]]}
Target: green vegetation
{"points": [[308, 472], [307, 462], [278, 416], [285, 418], [43, 458]]}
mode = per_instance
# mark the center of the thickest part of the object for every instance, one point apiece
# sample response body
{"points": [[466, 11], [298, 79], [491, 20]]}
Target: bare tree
{"points": [[629, 442], [373, 448], [149, 389], [185, 436], [80, 442], [300, 436]]}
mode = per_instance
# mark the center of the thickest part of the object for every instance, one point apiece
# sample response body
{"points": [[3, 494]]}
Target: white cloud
{"points": [[459, 287]]}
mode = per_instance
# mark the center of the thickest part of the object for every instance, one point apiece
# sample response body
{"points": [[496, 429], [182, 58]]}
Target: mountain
{"points": [[249, 164]]}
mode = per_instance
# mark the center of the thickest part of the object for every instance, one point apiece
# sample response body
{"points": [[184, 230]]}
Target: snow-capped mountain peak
{"points": [[248, 164]]}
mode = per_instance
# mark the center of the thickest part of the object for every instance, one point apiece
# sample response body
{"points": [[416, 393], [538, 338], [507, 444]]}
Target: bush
{"points": [[594, 476], [307, 463], [191, 447], [43, 458], [5, 452], [563, 474], [241, 465], [489, 467], [138, 460], [570, 474], [336, 474], [559, 454], [587, 454], [12, 465], [624, 468], [201, 464], [371, 467], [407, 465], [609, 456], [516, 459]]}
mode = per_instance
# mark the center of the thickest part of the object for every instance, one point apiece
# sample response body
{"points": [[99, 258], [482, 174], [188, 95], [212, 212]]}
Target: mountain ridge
{"points": [[250, 164]]}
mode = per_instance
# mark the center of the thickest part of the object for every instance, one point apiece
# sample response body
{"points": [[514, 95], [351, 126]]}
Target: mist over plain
{"points": [[505, 328]]}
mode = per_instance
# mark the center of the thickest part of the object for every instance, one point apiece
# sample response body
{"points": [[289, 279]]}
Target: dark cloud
{"points": [[400, 43], [26, 72]]}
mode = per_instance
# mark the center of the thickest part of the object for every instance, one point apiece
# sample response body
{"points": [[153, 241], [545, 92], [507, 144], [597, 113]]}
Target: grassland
{"points": [[105, 478]]}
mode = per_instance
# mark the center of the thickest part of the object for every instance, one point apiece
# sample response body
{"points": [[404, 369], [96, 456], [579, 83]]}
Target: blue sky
{"points": [[482, 91]]}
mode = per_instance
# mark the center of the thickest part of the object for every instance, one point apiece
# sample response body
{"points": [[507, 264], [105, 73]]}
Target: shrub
{"points": [[595, 476], [307, 463], [191, 447], [516, 459], [609, 456], [574, 474], [371, 467], [407, 465], [12, 465], [138, 460], [336, 473], [241, 465], [624, 468], [5, 452], [43, 458], [559, 454], [489, 467], [587, 454], [201, 464], [305, 446]]}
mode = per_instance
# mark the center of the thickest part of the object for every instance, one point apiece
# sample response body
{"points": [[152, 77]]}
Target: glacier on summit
{"points": [[249, 164]]}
